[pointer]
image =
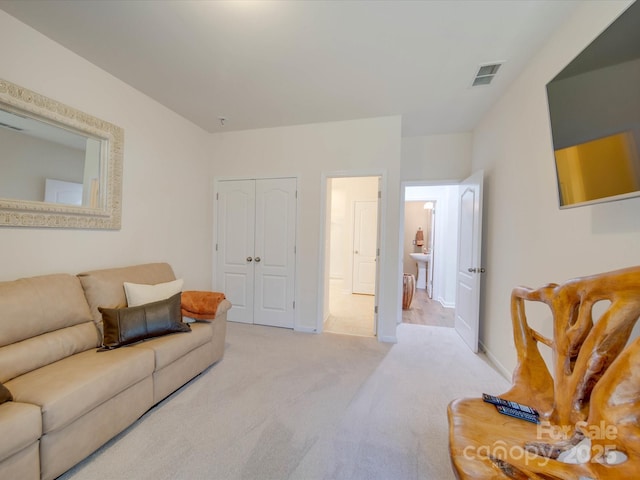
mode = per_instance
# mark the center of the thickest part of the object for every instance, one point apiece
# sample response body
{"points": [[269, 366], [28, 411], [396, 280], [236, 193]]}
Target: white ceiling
{"points": [[273, 63]]}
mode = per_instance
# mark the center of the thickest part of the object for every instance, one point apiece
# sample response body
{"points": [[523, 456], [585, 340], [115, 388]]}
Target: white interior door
{"points": [[365, 244], [467, 317], [274, 262], [236, 232]]}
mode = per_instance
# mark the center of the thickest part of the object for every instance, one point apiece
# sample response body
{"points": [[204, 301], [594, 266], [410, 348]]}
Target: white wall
{"points": [[528, 240], [166, 190], [312, 152], [436, 157]]}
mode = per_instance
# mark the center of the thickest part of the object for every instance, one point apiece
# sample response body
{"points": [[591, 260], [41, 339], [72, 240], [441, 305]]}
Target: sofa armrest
{"points": [[223, 307]]}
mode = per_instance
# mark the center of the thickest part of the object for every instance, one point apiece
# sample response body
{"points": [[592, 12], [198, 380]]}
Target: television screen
{"points": [[594, 108]]}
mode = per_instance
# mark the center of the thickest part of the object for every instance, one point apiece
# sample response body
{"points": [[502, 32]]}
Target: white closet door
{"points": [[274, 261], [236, 232], [256, 249]]}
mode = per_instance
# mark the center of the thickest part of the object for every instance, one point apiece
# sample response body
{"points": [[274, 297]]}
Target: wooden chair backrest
{"points": [[595, 377]]}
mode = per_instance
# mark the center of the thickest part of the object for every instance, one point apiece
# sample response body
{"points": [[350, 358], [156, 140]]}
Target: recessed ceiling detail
{"points": [[485, 74]]}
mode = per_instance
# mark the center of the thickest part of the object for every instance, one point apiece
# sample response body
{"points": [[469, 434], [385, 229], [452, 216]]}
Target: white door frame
{"points": [[214, 259], [323, 269]]}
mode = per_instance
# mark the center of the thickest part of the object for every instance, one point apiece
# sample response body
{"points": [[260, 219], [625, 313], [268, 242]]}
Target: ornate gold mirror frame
{"points": [[105, 209]]}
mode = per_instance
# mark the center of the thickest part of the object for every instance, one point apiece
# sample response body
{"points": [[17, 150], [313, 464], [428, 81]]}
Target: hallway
{"points": [[353, 314], [425, 311]]}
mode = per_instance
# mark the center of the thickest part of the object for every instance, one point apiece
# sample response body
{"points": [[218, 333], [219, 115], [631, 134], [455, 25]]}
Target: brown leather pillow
{"points": [[123, 326], [5, 394]]}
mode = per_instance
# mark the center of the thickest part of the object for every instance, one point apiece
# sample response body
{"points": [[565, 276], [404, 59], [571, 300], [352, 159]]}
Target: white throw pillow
{"points": [[140, 294]]}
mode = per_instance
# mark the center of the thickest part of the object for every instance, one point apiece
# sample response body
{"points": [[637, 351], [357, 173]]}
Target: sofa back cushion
{"points": [[42, 319], [105, 288]]}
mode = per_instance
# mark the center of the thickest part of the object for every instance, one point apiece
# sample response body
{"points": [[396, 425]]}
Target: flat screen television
{"points": [[594, 108]]}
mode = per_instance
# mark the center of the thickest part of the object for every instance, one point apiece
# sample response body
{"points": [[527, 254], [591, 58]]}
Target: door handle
{"points": [[249, 259], [476, 270], [257, 259]]}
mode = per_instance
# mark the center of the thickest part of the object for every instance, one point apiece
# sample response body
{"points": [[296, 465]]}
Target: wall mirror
{"points": [[59, 167]]}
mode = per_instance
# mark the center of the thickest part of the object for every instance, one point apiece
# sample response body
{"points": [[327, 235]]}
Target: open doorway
{"points": [[429, 252], [352, 249]]}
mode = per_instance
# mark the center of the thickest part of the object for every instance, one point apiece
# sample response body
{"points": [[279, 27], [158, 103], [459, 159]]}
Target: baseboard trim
{"points": [[388, 338], [495, 362], [305, 329], [446, 304]]}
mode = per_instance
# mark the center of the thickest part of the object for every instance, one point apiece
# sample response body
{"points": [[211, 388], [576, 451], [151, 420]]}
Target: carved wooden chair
{"points": [[589, 404]]}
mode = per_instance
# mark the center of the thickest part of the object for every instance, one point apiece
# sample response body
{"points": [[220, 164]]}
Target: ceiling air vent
{"points": [[485, 74]]}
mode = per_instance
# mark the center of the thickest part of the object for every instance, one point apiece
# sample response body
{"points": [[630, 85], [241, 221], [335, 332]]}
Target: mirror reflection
{"points": [[59, 167], [46, 163]]}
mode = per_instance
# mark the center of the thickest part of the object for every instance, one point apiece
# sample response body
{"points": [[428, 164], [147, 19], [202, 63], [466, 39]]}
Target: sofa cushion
{"points": [[123, 326], [169, 349], [140, 293], [37, 305], [22, 357], [5, 394], [42, 319], [21, 425], [105, 288], [67, 389]]}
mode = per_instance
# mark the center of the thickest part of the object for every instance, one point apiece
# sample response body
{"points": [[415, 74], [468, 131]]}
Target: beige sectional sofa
{"points": [[69, 396]]}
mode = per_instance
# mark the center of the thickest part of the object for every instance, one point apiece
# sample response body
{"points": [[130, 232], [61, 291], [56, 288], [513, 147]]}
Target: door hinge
{"points": [[375, 309], [378, 252], [294, 304], [217, 196], [296, 193], [216, 247], [295, 249], [379, 193]]}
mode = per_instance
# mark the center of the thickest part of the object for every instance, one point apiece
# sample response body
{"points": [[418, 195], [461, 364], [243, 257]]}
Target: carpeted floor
{"points": [[286, 405]]}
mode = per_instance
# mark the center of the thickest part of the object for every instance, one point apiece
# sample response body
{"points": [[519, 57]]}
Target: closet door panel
{"points": [[275, 252], [236, 232]]}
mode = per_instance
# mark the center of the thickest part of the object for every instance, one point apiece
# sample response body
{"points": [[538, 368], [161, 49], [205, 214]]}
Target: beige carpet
{"points": [[285, 405]]}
